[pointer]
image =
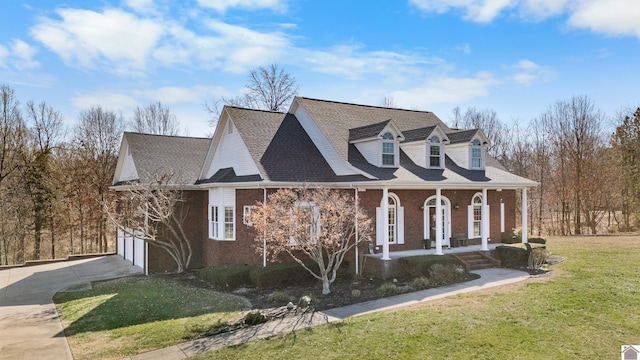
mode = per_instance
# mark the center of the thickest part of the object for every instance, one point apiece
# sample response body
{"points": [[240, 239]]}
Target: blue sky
{"points": [[514, 56]]}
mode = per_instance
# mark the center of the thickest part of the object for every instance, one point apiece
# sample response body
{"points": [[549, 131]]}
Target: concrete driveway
{"points": [[29, 324]]}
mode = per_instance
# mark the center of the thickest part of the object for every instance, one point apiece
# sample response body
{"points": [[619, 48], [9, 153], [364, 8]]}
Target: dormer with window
{"points": [[467, 148], [476, 155], [379, 143], [426, 146]]}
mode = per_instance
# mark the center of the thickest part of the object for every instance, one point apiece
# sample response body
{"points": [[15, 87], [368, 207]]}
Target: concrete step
{"points": [[475, 261]]}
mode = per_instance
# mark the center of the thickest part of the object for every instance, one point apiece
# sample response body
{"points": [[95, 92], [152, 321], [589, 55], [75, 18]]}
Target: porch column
{"points": [[385, 224], [438, 221], [525, 216], [357, 239], [485, 221]]}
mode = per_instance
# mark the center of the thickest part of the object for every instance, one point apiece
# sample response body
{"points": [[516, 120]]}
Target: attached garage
{"points": [[132, 249]]}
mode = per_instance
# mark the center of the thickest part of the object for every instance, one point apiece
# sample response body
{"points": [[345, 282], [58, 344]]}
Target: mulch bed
{"points": [[342, 291]]}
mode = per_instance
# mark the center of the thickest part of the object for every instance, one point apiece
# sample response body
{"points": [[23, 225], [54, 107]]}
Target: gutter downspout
{"points": [[357, 237], [146, 244], [264, 235]]}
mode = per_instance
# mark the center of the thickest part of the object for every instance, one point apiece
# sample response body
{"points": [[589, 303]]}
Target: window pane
{"points": [[228, 222], [387, 136], [387, 148], [228, 231], [435, 150], [228, 214], [388, 159], [434, 161]]}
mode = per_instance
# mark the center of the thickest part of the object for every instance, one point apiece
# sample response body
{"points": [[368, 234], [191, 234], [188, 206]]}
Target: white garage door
{"points": [[138, 253], [131, 248]]}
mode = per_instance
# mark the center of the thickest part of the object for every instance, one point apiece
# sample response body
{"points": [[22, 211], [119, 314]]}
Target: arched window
{"points": [[388, 149], [395, 215], [476, 154], [435, 152], [476, 205]]}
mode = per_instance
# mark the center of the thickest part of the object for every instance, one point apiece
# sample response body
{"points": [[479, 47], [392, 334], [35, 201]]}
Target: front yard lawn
{"points": [[587, 309], [130, 315]]}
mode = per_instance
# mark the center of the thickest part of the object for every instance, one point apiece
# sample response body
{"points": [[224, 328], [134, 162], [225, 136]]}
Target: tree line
{"points": [[54, 180], [588, 169]]}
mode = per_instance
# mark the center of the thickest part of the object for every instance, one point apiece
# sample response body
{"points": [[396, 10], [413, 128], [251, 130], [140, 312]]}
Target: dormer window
{"points": [[476, 155], [436, 153], [388, 149]]}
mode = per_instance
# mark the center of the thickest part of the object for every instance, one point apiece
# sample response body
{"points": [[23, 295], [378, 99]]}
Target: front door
{"points": [[430, 220]]}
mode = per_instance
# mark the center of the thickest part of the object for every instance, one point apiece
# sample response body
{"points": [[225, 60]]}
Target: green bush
{"points": [[509, 239], [420, 283], [417, 266], [388, 289], [255, 318], [282, 275], [537, 240], [279, 297], [516, 255], [441, 274], [226, 276]]}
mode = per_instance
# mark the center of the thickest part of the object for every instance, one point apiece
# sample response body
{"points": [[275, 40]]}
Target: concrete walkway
{"points": [[488, 278], [29, 323]]}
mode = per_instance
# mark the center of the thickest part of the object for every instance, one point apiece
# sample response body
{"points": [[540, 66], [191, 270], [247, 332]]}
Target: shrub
{"points": [[537, 258], [440, 274], [226, 276], [305, 301], [537, 240], [279, 297], [255, 318], [515, 255], [420, 283], [388, 289], [355, 293], [417, 266], [282, 275]]}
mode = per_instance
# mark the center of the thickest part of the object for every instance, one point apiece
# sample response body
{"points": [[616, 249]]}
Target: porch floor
{"points": [[432, 251]]}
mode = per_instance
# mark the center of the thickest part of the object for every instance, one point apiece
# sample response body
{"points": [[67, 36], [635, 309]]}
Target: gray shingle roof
{"points": [[336, 118], [159, 154], [456, 137], [417, 134], [367, 131]]}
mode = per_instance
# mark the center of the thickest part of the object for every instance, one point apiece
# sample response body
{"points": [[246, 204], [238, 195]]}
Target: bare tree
{"points": [[155, 213], [388, 101], [46, 131], [269, 88], [155, 119], [319, 224], [96, 141], [486, 120]]}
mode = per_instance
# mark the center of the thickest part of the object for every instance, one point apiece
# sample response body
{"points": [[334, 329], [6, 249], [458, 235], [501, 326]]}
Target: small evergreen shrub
{"points": [[417, 266], [279, 297], [441, 274], [537, 258], [305, 301], [420, 283], [226, 276], [537, 240], [355, 293], [388, 289], [255, 318]]}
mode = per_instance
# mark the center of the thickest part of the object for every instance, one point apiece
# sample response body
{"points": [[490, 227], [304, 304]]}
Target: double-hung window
{"points": [[388, 150], [435, 152], [222, 214], [213, 226], [476, 154]]}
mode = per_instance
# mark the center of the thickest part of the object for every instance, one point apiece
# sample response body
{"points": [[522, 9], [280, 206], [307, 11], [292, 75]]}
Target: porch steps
{"points": [[477, 260]]}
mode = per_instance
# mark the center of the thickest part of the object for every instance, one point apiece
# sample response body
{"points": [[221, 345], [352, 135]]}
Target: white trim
{"points": [[525, 216], [501, 216], [485, 221], [482, 154], [246, 211], [446, 220]]}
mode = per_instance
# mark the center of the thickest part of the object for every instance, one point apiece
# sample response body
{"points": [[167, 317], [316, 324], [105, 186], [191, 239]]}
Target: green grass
{"points": [[586, 310], [135, 314]]}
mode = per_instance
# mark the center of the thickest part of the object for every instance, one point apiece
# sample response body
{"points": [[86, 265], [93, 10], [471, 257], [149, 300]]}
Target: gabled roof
{"points": [[418, 134], [457, 137], [336, 118], [367, 131], [160, 154]]}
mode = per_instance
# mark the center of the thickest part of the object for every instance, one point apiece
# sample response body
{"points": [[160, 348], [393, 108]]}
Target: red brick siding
{"points": [[196, 219]]}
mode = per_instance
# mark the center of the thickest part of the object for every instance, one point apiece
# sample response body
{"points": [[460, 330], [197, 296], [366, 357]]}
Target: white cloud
{"points": [[141, 5], [175, 95], [353, 63], [608, 17], [125, 44], [108, 100], [481, 11], [445, 90], [84, 37], [223, 5], [526, 72], [19, 55]]}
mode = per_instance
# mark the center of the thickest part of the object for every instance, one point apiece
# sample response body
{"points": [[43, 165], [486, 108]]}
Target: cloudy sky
{"points": [[514, 56]]}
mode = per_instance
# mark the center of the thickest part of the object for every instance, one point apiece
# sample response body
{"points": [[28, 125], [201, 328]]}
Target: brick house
{"points": [[436, 185]]}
